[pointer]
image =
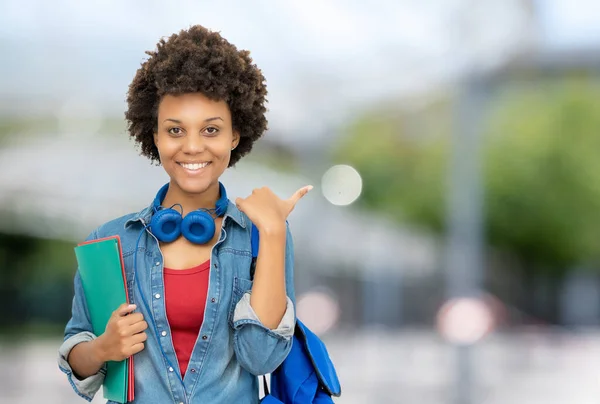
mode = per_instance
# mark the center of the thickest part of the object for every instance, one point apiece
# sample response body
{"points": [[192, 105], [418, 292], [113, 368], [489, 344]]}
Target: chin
{"points": [[194, 185]]}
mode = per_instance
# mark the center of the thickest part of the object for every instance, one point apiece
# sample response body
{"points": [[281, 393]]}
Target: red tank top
{"points": [[185, 300]]}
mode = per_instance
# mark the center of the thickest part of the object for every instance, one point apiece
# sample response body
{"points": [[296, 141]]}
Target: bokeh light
{"points": [[319, 310], [341, 185], [465, 321]]}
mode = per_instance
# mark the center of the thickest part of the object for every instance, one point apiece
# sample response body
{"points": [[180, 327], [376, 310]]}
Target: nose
{"points": [[193, 144]]}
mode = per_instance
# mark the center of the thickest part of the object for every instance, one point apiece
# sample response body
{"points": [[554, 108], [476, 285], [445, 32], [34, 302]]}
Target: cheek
{"points": [[222, 151], [165, 148]]}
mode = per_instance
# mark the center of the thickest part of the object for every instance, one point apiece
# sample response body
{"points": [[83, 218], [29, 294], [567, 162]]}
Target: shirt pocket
{"points": [[240, 287]]}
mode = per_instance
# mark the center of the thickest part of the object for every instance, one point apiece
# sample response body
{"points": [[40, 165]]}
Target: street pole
{"points": [[464, 247]]}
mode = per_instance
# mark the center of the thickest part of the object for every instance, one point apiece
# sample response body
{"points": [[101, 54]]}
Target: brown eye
{"points": [[212, 131], [175, 131]]}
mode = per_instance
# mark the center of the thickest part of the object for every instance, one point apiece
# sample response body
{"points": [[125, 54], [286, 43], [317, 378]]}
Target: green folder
{"points": [[104, 284]]}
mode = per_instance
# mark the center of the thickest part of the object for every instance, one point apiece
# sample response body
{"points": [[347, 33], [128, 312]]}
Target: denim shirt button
{"points": [[170, 369], [164, 333], [157, 263], [213, 300], [193, 370], [204, 337], [157, 295]]}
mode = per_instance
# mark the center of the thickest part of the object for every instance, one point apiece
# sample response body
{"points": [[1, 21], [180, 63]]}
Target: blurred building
{"points": [[63, 188]]}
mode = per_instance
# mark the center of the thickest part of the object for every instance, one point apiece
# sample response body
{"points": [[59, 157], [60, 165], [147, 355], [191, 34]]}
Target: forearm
{"points": [[268, 298], [85, 359]]}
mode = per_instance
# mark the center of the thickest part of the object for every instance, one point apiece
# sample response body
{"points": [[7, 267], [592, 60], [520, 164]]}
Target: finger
{"points": [[124, 309], [138, 327], [137, 348], [132, 319], [138, 338], [300, 193], [239, 202]]}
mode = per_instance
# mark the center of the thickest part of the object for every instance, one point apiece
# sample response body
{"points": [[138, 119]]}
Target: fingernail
{"points": [[310, 187]]}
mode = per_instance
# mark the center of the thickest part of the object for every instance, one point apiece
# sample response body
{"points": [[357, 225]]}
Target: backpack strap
{"points": [[254, 238]]}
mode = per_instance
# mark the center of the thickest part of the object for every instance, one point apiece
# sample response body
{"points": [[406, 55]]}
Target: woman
{"points": [[201, 329]]}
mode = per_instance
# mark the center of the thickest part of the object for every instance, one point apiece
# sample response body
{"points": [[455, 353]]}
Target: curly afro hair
{"points": [[198, 60]]}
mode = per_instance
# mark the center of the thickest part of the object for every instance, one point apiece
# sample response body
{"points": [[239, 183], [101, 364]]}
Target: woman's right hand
{"points": [[124, 335]]}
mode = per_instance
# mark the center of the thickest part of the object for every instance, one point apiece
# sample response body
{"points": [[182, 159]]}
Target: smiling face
{"points": [[194, 139]]}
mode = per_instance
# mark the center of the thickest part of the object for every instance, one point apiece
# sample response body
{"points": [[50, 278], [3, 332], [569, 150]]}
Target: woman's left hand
{"points": [[266, 210]]}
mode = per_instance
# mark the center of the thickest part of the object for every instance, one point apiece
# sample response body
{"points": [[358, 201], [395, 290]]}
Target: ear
{"points": [[236, 139], [155, 136]]}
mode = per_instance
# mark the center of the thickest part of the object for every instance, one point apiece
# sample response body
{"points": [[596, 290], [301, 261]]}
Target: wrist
{"points": [[272, 229], [97, 350]]}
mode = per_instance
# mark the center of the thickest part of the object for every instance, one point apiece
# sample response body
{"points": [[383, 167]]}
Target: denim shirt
{"points": [[233, 346]]}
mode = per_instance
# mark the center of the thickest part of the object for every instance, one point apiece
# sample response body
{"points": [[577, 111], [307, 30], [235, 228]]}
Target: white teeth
{"points": [[194, 166]]}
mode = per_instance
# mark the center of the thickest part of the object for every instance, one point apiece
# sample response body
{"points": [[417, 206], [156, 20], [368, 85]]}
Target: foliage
{"points": [[541, 171]]}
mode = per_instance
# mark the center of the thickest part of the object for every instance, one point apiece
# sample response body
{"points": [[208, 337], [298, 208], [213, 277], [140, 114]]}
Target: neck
{"points": [[191, 201]]}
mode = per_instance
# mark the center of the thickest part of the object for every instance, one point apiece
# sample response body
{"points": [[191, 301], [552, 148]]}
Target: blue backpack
{"points": [[307, 375]]}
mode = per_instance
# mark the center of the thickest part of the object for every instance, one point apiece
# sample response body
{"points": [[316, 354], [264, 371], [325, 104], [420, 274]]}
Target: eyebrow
{"points": [[214, 118]]}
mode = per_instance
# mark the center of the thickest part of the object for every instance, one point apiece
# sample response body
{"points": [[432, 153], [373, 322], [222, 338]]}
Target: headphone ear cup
{"points": [[198, 227], [165, 225]]}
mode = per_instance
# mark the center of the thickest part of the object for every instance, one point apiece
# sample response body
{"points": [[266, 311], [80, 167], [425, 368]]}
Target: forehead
{"points": [[190, 105]]}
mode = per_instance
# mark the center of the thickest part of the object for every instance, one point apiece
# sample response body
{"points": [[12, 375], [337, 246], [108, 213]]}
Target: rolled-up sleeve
{"points": [[261, 350], [87, 387], [79, 329], [245, 314]]}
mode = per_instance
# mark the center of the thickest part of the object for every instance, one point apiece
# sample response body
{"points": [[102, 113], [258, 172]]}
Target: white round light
{"points": [[319, 310], [465, 321], [341, 185]]}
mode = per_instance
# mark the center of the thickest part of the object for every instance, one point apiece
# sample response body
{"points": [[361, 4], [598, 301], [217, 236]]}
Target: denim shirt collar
{"points": [[145, 215]]}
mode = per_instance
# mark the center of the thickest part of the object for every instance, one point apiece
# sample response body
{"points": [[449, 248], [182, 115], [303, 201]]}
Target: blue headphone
{"points": [[198, 226]]}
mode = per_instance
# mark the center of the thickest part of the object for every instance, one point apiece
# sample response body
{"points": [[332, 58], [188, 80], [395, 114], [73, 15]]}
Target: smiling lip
{"points": [[194, 167]]}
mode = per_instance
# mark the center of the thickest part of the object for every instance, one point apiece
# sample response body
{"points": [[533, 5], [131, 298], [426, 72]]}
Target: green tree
{"points": [[402, 174], [542, 176], [541, 162]]}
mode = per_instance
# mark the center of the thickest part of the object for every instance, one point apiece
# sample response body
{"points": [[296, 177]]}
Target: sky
{"points": [[570, 24], [323, 60]]}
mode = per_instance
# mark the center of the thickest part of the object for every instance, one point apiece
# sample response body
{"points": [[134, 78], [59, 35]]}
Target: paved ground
{"points": [[407, 367]]}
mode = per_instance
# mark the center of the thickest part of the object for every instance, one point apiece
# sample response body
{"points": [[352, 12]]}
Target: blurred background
{"points": [[449, 252]]}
